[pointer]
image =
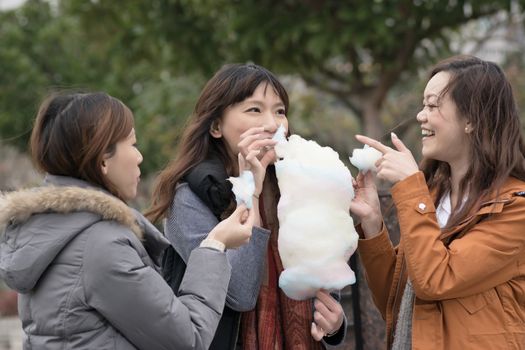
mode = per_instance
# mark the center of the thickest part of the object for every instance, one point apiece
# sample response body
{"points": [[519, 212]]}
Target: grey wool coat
{"points": [[86, 268]]}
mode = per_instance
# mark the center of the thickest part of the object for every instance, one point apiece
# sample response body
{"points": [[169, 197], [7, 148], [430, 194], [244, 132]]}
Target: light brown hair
{"points": [[73, 133], [483, 97]]}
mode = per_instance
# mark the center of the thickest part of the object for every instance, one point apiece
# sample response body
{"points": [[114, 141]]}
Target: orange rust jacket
{"points": [[470, 292]]}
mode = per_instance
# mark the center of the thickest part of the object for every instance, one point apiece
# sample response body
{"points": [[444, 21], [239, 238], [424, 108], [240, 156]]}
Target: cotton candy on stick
{"points": [[316, 233], [365, 158], [243, 188]]}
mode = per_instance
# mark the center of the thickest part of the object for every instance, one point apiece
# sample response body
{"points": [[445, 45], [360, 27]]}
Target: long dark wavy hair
{"points": [[483, 97], [232, 84]]}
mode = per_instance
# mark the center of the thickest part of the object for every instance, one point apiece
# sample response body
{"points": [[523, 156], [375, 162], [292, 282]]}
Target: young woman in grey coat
{"points": [[86, 264], [237, 113]]}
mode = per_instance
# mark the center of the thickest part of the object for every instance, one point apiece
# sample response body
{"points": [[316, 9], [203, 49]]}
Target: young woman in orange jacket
{"points": [[457, 278]]}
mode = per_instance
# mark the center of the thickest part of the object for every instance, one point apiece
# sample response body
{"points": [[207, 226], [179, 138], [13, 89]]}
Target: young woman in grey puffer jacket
{"points": [[84, 263]]}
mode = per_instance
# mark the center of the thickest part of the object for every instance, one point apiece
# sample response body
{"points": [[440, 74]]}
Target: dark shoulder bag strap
{"points": [[173, 268]]}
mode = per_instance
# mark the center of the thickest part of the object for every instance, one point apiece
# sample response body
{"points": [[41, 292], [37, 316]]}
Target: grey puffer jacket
{"points": [[85, 265]]}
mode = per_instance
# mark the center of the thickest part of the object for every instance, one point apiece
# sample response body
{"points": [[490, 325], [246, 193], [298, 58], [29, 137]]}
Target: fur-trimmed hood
{"points": [[17, 207], [36, 224]]}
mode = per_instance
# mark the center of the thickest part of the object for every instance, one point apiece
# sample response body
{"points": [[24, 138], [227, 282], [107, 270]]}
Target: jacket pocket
{"points": [[425, 309], [512, 298], [427, 326], [484, 313], [473, 303]]}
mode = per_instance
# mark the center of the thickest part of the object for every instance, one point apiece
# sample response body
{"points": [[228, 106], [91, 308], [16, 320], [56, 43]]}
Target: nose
{"points": [[421, 116], [139, 157], [270, 122]]}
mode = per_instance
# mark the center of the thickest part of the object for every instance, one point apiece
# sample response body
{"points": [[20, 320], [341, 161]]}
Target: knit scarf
{"points": [[277, 322], [403, 332]]}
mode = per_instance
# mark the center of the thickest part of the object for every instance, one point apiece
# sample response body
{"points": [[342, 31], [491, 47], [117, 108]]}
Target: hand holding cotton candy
{"points": [[365, 158], [243, 188], [316, 233]]}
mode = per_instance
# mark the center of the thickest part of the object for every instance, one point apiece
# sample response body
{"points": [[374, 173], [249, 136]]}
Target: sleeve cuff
{"points": [[214, 244], [377, 244], [337, 337]]}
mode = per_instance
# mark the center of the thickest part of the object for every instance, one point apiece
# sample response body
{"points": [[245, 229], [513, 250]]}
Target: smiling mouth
{"points": [[427, 133]]}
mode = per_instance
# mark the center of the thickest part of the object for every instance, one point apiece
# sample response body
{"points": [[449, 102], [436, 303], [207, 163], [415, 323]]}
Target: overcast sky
{"points": [[10, 4]]}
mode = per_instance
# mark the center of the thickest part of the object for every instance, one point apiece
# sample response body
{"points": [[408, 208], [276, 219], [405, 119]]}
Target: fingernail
{"points": [[394, 135]]}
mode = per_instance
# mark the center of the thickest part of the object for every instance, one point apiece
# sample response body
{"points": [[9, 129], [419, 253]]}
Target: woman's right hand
{"points": [[256, 146], [366, 205], [235, 230]]}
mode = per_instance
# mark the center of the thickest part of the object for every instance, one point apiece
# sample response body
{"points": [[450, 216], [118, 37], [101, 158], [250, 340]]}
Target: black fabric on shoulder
{"points": [[173, 268], [208, 180]]}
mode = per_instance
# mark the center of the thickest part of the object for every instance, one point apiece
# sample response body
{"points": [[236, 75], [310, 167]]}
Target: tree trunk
{"points": [[372, 125]]}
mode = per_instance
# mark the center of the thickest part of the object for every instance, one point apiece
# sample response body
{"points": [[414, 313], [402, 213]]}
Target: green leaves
{"points": [[155, 55]]}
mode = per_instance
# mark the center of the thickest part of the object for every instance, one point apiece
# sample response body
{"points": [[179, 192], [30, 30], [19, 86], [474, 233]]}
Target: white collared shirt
{"points": [[443, 210]]}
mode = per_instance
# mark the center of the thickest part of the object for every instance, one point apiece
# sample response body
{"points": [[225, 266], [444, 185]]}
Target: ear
{"points": [[469, 128], [215, 129], [104, 167]]}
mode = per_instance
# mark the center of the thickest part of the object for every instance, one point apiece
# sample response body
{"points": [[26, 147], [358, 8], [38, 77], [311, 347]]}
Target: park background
{"points": [[349, 67]]}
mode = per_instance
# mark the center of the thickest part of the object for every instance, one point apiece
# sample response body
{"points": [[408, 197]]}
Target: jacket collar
{"points": [[65, 195], [492, 203]]}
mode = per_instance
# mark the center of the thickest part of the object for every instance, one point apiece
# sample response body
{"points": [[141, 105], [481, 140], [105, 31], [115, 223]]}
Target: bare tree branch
{"points": [[341, 95]]}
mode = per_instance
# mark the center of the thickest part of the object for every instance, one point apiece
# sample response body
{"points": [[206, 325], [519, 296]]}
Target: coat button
{"points": [[422, 206]]}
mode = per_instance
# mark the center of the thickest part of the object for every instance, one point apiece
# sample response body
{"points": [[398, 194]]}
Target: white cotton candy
{"points": [[243, 188], [316, 232], [365, 158], [280, 134]]}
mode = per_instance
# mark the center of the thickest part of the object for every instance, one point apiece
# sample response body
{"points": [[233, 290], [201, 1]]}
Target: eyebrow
{"points": [[260, 103], [428, 96]]}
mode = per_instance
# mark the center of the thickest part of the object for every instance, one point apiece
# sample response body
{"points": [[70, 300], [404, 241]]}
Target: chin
{"points": [[130, 196], [426, 153]]}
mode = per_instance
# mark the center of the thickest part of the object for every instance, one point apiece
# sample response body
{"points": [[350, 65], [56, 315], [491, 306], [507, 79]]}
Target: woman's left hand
{"points": [[254, 142], [328, 315], [394, 165], [365, 204]]}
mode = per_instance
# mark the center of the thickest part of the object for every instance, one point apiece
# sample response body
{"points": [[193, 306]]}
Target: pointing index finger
{"points": [[373, 143]]}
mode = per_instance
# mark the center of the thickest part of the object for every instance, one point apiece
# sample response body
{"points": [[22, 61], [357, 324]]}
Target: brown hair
{"points": [[483, 97], [73, 133], [230, 85]]}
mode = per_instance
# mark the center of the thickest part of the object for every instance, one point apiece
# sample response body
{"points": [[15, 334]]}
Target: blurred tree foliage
{"points": [[155, 55]]}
